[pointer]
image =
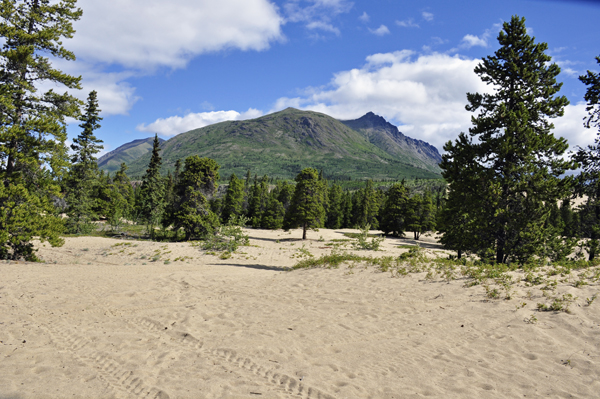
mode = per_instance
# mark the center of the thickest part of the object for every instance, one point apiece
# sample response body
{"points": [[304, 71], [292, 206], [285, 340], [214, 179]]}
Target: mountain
{"points": [[282, 143], [386, 136], [111, 161]]}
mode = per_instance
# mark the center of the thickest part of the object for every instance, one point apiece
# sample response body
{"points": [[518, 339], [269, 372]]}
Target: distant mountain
{"points": [[387, 137], [282, 143], [128, 153]]}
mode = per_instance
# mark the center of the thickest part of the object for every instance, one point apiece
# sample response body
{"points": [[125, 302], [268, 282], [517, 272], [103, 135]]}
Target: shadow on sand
{"points": [[255, 266]]}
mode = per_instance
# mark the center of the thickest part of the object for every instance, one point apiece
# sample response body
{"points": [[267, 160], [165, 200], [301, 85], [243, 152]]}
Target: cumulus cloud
{"points": [[407, 23], [145, 34], [381, 31], [424, 94], [122, 39], [179, 124], [427, 16], [364, 17], [570, 126]]}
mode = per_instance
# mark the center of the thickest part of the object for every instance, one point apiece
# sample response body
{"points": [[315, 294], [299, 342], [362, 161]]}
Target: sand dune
{"points": [[107, 318]]}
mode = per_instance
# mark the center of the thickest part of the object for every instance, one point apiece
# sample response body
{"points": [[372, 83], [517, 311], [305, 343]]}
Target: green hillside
{"points": [[111, 161], [283, 143]]}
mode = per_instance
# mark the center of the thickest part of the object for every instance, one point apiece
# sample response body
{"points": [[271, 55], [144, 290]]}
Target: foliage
{"points": [[588, 181], [229, 237], [394, 213], [151, 199], [234, 199], [20, 222], [82, 179], [190, 210], [306, 209], [335, 211], [362, 241], [32, 121], [510, 165]]}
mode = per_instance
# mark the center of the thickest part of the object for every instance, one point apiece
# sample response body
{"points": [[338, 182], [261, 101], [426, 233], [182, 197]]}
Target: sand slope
{"points": [[99, 323]]}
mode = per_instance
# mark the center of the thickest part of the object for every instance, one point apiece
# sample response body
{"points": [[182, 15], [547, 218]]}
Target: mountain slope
{"points": [[387, 137], [282, 143], [128, 153]]}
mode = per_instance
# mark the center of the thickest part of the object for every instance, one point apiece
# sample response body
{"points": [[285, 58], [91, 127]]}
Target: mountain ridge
{"points": [[282, 143]]}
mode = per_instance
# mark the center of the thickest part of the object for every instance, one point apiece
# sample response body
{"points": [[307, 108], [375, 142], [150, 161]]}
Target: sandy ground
{"points": [[106, 318]]}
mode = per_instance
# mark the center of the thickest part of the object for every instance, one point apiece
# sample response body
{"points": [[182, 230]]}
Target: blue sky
{"points": [[169, 67]]}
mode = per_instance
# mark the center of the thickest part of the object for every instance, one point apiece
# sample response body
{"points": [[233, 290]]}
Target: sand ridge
{"points": [[106, 318]]}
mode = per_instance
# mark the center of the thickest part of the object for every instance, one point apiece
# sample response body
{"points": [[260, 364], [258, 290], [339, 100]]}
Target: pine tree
{"points": [[191, 210], [257, 201], [394, 212], [306, 209], [510, 165], [421, 215], [588, 181], [151, 199], [32, 122], [234, 199], [335, 215], [82, 181]]}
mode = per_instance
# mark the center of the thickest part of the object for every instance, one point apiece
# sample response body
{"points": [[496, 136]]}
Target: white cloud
{"points": [[469, 41], [145, 34], [427, 16], [318, 14], [381, 31], [324, 26], [426, 94], [570, 126], [179, 124], [121, 39], [407, 23], [364, 17]]}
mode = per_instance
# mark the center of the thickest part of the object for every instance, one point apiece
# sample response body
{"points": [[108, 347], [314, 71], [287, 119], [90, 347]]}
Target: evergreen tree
{"points": [[394, 212], [347, 207], [234, 199], [306, 209], [421, 214], [82, 180], [588, 181], [335, 214], [511, 164], [257, 201], [191, 210], [32, 122], [151, 199], [367, 206]]}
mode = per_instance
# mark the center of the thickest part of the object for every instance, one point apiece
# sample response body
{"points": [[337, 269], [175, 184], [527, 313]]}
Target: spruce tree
{"points": [[306, 209], [394, 212], [82, 181], [510, 165], [151, 199], [234, 199], [191, 210], [32, 121], [588, 181], [335, 215]]}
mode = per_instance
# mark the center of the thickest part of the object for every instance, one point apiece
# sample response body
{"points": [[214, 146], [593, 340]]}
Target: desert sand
{"points": [[109, 318]]}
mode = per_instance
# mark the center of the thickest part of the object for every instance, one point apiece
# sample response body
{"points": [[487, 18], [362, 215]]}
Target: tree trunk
{"points": [[304, 231]]}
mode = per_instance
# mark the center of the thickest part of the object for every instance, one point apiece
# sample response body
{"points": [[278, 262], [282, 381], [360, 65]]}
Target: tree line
{"points": [[510, 180]]}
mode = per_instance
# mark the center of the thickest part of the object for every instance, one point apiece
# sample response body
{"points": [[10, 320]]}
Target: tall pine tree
{"points": [[510, 165], [33, 154], [151, 198], [588, 181], [306, 209], [82, 179]]}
